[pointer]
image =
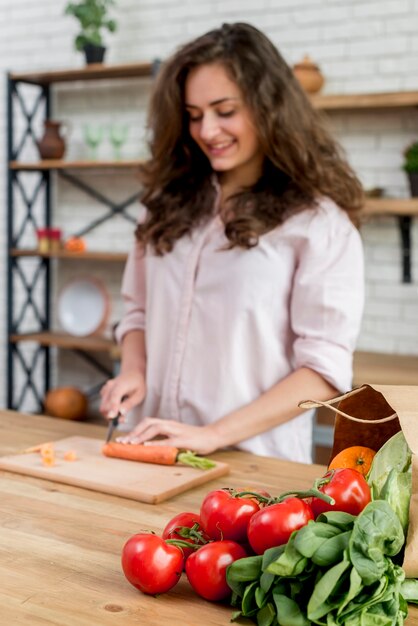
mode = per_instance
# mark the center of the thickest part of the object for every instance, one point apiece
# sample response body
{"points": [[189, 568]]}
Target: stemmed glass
{"points": [[93, 135], [118, 134]]}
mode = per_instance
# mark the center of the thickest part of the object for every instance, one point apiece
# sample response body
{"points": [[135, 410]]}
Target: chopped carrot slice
{"points": [[47, 448], [48, 454], [70, 455], [49, 461]]}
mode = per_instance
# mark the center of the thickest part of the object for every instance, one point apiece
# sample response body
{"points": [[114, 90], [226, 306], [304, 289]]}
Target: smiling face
{"points": [[222, 125]]}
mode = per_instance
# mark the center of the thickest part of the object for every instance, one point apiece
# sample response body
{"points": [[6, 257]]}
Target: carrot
{"points": [[162, 455]]}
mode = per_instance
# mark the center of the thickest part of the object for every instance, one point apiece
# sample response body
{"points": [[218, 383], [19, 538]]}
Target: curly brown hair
{"points": [[302, 160]]}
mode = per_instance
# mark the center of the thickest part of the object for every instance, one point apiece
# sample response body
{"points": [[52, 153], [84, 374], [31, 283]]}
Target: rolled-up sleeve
{"points": [[133, 293], [328, 297]]}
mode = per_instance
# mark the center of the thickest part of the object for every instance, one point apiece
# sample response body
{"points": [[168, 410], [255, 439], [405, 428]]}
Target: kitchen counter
{"points": [[60, 546]]}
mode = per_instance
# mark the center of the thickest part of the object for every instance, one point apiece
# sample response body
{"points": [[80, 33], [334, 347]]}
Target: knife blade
{"points": [[112, 425]]}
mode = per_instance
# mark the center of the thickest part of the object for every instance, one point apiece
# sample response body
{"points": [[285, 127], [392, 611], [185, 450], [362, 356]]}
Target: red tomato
{"points": [[349, 490], [273, 525], [225, 516], [150, 564], [206, 568], [187, 520]]}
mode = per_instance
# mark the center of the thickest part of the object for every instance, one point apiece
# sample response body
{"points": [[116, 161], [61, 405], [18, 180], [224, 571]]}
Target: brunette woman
{"points": [[244, 292]]}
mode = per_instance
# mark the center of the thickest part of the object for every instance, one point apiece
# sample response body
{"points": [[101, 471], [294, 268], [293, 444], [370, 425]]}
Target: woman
{"points": [[244, 292]]}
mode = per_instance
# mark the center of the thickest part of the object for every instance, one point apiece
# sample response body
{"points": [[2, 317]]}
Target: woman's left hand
{"points": [[200, 439]]}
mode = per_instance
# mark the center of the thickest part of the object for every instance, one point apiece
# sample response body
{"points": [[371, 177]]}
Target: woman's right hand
{"points": [[121, 394]]}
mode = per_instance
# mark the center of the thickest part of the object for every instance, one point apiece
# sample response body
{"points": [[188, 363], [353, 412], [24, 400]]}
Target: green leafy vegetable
{"points": [[377, 533], [390, 476], [336, 571]]}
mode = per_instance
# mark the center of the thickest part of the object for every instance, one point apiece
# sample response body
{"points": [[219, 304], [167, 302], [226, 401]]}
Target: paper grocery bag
{"points": [[370, 415]]}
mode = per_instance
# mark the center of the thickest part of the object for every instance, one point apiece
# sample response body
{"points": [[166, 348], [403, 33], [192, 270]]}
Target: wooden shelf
{"points": [[60, 164], [385, 369], [331, 102], [69, 342], [94, 71], [117, 257], [390, 206]]}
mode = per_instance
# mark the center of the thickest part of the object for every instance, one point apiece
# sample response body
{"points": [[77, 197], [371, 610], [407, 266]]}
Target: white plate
{"points": [[83, 306]]}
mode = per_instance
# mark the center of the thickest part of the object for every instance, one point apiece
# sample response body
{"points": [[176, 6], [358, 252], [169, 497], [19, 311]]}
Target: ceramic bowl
{"points": [[84, 306]]}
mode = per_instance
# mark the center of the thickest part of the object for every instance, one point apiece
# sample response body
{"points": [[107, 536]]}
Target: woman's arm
{"points": [[130, 382], [274, 407]]}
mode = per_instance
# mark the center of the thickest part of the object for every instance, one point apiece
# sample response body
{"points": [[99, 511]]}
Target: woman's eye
{"points": [[226, 113]]}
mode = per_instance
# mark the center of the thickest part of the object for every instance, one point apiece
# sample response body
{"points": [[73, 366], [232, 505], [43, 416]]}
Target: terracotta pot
{"points": [[309, 75], [52, 143]]}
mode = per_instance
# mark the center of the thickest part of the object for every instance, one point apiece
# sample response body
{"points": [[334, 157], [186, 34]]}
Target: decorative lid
{"points": [[306, 64]]}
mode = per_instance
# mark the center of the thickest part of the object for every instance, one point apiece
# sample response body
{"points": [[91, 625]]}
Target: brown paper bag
{"points": [[369, 416]]}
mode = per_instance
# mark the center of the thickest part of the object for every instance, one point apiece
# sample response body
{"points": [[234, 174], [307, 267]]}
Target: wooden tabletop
{"points": [[60, 546]]}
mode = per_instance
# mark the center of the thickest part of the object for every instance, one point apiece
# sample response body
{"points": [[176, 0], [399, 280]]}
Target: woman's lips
{"points": [[219, 148]]}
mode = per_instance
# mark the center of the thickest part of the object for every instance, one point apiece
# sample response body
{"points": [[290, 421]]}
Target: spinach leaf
{"points": [[331, 550], [288, 611], [290, 562], [322, 600], [310, 537], [397, 491], [394, 454], [249, 606], [377, 532], [267, 615], [243, 571], [340, 519], [409, 590]]}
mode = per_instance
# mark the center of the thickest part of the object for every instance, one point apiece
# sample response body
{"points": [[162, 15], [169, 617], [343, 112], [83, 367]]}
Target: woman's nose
{"points": [[209, 127]]}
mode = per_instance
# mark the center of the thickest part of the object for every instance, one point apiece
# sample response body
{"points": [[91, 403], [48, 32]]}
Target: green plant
{"points": [[92, 15], [411, 158]]}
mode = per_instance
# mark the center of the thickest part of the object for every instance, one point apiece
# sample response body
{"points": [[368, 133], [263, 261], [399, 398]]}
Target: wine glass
{"points": [[93, 135], [118, 134]]}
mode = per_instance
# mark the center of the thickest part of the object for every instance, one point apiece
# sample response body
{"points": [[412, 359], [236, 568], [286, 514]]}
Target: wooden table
{"points": [[60, 546]]}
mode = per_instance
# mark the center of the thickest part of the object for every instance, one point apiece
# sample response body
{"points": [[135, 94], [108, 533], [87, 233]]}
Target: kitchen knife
{"points": [[112, 425]]}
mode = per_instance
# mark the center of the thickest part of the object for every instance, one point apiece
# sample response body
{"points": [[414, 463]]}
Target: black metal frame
{"points": [[39, 361], [40, 358], [405, 228]]}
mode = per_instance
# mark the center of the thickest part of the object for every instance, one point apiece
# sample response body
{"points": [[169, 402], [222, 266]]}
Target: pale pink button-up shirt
{"points": [[223, 326]]}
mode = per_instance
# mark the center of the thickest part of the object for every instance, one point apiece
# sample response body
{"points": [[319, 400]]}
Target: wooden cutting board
{"points": [[145, 482]]}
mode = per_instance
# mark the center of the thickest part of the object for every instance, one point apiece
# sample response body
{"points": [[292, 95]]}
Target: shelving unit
{"points": [[35, 366], [403, 209]]}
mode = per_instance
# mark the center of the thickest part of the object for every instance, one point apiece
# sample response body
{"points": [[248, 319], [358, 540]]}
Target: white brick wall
{"points": [[361, 46]]}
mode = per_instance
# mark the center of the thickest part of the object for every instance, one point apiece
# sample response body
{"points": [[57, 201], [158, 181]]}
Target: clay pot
{"points": [[66, 402], [309, 75], [52, 143]]}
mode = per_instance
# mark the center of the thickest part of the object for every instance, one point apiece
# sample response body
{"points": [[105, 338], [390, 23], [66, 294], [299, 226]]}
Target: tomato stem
{"points": [[309, 493], [180, 543], [254, 494], [191, 533]]}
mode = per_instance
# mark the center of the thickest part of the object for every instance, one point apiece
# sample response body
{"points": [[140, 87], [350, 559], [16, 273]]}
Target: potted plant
{"points": [[410, 166], [93, 19]]}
